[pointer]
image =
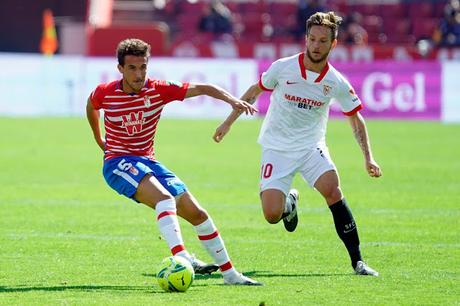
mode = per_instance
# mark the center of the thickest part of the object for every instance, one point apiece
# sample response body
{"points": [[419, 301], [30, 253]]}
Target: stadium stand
{"points": [[388, 27]]}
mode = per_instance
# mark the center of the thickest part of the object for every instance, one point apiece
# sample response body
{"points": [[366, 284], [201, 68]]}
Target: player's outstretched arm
{"points": [[93, 119], [360, 131], [216, 92], [250, 96]]}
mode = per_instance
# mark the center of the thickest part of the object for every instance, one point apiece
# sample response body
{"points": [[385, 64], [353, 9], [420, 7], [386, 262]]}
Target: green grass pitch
{"points": [[67, 239]]}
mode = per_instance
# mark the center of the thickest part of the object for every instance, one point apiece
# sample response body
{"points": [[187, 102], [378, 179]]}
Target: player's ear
{"points": [[334, 43], [120, 68]]}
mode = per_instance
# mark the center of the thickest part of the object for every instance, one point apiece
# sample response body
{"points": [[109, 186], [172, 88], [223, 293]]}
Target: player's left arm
{"points": [[195, 89], [93, 116], [362, 137]]}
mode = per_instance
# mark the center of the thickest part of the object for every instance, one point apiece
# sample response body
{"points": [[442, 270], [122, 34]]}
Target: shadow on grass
{"points": [[197, 276], [271, 274], [266, 274], [146, 289]]}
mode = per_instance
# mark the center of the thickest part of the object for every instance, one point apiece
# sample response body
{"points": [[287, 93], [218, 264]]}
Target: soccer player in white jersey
{"points": [[132, 107], [293, 133]]}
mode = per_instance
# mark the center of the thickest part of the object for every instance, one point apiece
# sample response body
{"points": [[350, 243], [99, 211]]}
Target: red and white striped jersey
{"points": [[130, 120]]}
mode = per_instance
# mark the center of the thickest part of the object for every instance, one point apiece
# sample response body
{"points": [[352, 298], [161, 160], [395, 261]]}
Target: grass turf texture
{"points": [[66, 238]]}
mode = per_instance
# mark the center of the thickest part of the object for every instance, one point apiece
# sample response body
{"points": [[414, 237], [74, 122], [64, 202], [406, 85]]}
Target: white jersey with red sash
{"points": [[299, 104]]}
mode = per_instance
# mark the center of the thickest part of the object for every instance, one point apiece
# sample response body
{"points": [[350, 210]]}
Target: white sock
{"points": [[169, 227], [287, 205], [214, 245]]}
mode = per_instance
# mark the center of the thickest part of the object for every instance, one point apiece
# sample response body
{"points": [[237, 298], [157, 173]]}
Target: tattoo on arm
{"points": [[361, 137]]}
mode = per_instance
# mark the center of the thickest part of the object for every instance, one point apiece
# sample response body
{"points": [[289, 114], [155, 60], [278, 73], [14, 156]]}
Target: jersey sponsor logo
{"points": [[291, 82], [133, 122], [353, 94], [173, 181], [326, 89], [306, 101]]}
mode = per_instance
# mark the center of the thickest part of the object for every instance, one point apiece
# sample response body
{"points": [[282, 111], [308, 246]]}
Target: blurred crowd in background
{"points": [[429, 23], [394, 22]]}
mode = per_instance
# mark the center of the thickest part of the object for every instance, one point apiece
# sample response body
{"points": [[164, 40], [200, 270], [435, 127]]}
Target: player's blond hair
{"points": [[329, 20], [132, 46]]}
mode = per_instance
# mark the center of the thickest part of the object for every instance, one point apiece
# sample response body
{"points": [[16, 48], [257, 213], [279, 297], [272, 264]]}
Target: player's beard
{"points": [[137, 84], [321, 59]]}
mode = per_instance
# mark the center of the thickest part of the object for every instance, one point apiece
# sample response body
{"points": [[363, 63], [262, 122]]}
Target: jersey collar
{"points": [[303, 70], [119, 85]]}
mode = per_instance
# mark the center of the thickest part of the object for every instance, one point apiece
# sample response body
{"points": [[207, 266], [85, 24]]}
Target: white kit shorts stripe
{"points": [[126, 177]]}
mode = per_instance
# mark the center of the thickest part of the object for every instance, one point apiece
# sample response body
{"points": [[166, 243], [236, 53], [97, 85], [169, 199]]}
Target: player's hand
{"points": [[243, 106], [101, 143], [220, 132], [373, 168]]}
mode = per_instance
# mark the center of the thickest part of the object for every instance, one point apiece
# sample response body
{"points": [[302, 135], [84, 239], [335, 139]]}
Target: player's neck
{"points": [[128, 89], [315, 67]]}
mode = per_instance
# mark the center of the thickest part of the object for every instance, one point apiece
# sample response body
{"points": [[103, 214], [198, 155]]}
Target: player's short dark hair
{"points": [[329, 20], [132, 46]]}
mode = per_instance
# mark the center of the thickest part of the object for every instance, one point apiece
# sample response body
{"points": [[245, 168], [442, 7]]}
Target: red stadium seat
{"points": [[187, 21], [283, 8], [420, 9], [252, 24], [254, 7], [392, 11], [424, 27], [193, 8], [365, 9], [372, 23]]}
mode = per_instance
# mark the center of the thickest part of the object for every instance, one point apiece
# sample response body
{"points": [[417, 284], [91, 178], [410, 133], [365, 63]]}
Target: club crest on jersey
{"points": [[147, 101], [133, 170], [133, 122], [326, 89]]}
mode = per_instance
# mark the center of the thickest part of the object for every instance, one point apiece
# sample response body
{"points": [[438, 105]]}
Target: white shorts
{"points": [[279, 167]]}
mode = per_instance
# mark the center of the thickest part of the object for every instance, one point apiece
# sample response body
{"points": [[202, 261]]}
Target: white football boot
{"points": [[363, 269], [291, 219], [240, 279]]}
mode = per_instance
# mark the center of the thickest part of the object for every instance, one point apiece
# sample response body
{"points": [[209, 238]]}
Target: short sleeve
{"points": [[97, 95], [269, 79], [171, 90], [348, 99]]}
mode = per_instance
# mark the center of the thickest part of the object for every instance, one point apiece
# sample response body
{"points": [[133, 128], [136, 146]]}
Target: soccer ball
{"points": [[175, 274]]}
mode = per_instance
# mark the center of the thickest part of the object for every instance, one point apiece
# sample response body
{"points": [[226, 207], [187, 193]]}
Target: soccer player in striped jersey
{"points": [[132, 107], [293, 133]]}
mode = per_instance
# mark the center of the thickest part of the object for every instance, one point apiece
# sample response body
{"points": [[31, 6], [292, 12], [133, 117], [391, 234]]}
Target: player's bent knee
{"points": [[333, 196], [200, 216], [272, 217]]}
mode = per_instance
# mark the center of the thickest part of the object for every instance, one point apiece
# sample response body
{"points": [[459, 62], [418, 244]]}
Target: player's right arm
{"points": [[93, 116], [249, 96]]}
